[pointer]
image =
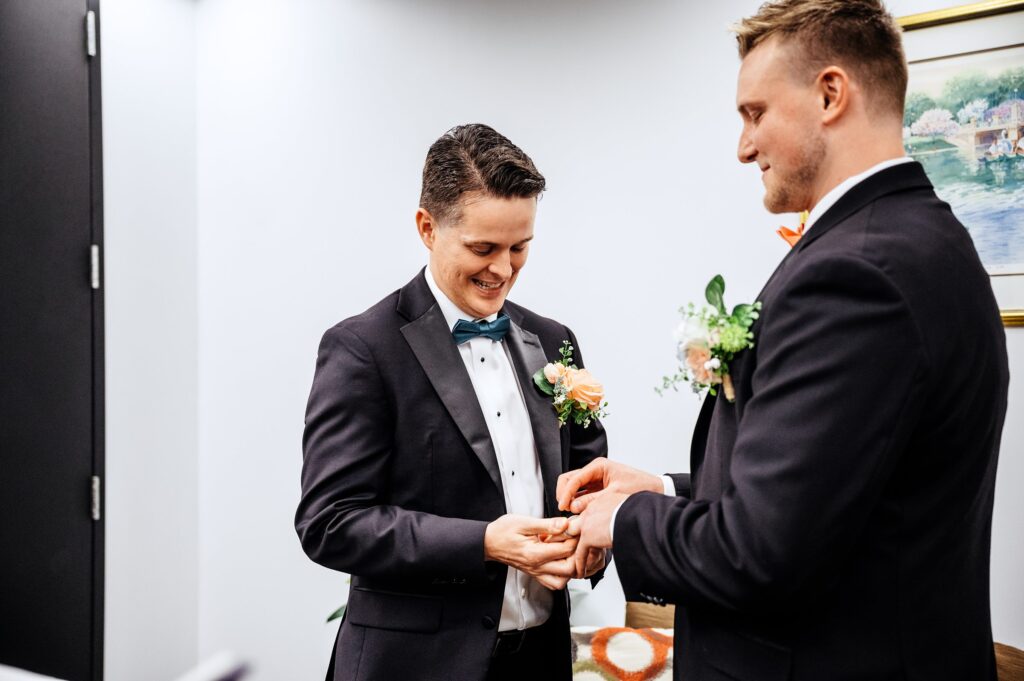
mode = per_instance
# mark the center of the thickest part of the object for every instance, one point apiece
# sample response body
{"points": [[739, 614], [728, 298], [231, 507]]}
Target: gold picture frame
{"points": [[1014, 315], [974, 10]]}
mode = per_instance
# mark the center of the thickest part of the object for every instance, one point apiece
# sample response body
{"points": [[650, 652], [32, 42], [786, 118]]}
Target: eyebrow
{"points": [[491, 243]]}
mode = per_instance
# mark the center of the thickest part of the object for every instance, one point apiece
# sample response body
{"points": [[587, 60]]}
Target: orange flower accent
{"points": [[791, 237], [584, 388], [696, 357]]}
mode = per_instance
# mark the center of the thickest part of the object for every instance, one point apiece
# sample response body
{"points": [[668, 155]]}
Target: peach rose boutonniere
{"points": [[575, 393], [708, 339]]}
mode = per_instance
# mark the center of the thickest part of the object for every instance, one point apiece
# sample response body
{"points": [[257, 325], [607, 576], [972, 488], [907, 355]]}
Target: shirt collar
{"points": [[846, 185], [452, 313]]}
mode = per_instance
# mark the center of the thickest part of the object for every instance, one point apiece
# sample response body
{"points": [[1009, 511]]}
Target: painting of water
{"points": [[964, 123]]}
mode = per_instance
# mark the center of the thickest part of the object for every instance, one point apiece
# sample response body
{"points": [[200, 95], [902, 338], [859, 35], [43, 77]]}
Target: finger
{"points": [[565, 567], [575, 526], [541, 526], [545, 553], [551, 582], [580, 560], [534, 556], [566, 488], [579, 504], [570, 483], [595, 561], [557, 538]]}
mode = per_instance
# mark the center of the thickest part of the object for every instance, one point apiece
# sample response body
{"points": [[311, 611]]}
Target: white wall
{"points": [[313, 121], [1008, 520], [149, 108]]}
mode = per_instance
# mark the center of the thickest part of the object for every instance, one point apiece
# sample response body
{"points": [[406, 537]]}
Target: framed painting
{"points": [[964, 123]]}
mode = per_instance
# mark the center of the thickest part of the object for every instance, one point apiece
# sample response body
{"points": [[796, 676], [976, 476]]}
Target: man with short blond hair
{"points": [[836, 521]]}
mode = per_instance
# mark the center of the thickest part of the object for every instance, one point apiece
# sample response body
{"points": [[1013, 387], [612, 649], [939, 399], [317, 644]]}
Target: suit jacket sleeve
{"points": [[343, 519], [682, 484], [838, 385]]}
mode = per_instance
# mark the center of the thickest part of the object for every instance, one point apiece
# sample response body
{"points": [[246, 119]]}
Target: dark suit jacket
{"points": [[839, 520], [400, 479]]}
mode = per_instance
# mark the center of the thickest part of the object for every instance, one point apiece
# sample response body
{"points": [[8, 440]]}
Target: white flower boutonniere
{"points": [[708, 339], [575, 393]]}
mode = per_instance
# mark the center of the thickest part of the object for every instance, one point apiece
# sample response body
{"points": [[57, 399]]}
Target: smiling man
{"points": [[430, 459], [836, 521]]}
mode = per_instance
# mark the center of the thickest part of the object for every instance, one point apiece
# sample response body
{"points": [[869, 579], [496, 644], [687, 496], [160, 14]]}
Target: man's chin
{"points": [[485, 308], [777, 205]]}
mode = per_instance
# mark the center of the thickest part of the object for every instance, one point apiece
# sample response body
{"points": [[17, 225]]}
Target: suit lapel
{"points": [[698, 445], [527, 356], [431, 342], [781, 266], [891, 180]]}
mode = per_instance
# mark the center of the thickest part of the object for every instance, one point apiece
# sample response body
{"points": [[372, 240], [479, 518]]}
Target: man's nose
{"points": [[501, 265], [746, 152]]}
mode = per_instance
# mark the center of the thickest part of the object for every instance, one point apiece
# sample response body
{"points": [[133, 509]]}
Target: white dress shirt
{"points": [[819, 209], [527, 603]]}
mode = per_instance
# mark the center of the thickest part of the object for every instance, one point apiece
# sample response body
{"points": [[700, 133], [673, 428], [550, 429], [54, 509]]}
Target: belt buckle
{"points": [[508, 642]]}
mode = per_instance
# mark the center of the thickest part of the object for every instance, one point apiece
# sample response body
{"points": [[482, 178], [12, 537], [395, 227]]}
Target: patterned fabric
{"points": [[621, 654]]}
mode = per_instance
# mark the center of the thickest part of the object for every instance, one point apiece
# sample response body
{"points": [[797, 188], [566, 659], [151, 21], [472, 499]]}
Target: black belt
{"points": [[510, 642]]}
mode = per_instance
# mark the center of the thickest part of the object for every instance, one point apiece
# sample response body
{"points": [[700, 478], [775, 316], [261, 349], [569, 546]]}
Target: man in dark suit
{"points": [[836, 522], [430, 458]]}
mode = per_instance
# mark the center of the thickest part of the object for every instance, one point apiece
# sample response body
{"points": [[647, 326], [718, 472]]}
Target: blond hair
{"points": [[858, 35]]}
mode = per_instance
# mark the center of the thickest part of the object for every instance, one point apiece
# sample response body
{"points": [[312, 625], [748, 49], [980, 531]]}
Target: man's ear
{"points": [[426, 226], [833, 84]]}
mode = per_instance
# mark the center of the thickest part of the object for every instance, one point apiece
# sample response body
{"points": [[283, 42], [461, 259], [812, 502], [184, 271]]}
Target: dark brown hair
{"points": [[475, 158], [858, 35]]}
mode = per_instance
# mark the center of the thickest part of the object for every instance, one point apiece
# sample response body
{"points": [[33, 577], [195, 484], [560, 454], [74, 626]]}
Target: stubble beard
{"points": [[792, 193]]}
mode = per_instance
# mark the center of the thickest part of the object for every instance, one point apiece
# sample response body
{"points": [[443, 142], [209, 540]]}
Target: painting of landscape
{"points": [[965, 123]]}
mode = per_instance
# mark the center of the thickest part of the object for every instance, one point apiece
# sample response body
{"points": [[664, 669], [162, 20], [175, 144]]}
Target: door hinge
{"points": [[90, 33], [95, 497], [95, 265]]}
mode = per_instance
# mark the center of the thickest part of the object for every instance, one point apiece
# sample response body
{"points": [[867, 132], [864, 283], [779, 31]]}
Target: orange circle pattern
{"points": [[660, 644]]}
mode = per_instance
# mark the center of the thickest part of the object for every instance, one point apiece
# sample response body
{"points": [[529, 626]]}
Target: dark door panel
{"points": [[49, 579]]}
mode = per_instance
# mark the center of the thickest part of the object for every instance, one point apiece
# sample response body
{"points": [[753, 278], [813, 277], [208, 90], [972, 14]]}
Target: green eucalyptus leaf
{"points": [[715, 293], [542, 382], [337, 614]]}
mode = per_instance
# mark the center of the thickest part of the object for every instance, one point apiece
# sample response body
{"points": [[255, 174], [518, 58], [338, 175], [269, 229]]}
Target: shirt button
{"points": [[499, 414], [522, 593], [482, 359]]}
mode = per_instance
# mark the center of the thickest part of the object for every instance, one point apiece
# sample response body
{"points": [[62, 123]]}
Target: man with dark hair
{"points": [[430, 459], [836, 521]]}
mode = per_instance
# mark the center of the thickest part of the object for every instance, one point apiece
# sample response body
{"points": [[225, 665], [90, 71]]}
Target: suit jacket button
{"points": [[488, 622]]}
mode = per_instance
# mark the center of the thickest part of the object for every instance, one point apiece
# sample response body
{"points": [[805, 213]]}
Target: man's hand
{"points": [[595, 557], [516, 541], [595, 529], [576, 489], [593, 562]]}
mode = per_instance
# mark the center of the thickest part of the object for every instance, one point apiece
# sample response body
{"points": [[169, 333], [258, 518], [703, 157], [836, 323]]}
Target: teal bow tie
{"points": [[495, 330]]}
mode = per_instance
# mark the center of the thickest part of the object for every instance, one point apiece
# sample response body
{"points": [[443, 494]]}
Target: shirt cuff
{"points": [[670, 485]]}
